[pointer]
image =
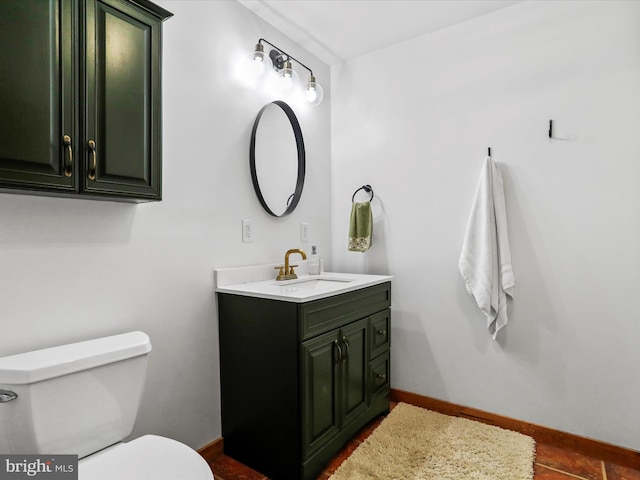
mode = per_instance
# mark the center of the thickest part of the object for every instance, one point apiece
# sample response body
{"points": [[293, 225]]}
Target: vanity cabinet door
{"points": [[321, 361], [36, 91], [334, 370], [353, 395], [122, 104]]}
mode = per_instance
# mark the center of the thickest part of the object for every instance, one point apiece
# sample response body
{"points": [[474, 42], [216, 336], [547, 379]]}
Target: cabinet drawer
{"points": [[379, 331], [326, 314], [379, 377]]}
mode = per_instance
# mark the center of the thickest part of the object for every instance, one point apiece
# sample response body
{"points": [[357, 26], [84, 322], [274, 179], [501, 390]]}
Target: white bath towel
{"points": [[485, 260]]}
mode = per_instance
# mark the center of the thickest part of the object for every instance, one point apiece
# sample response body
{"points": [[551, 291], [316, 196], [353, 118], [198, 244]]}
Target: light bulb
{"points": [[313, 93], [256, 65], [288, 80]]}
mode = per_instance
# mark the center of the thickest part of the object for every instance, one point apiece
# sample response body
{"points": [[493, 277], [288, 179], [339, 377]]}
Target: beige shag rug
{"points": [[413, 443]]}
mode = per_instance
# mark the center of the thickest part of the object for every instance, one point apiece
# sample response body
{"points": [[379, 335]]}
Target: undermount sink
{"points": [[314, 283]]}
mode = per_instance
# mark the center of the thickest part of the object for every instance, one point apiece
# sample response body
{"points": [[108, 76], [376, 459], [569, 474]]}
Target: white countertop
{"points": [[249, 281]]}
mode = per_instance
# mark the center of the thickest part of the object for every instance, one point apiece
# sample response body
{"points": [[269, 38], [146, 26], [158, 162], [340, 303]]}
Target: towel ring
{"points": [[366, 188]]}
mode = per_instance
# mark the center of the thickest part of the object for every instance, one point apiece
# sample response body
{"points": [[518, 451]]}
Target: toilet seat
{"points": [[149, 457]]}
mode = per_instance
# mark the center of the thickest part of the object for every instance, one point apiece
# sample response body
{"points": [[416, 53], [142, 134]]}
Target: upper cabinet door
{"points": [[122, 127], [37, 124]]}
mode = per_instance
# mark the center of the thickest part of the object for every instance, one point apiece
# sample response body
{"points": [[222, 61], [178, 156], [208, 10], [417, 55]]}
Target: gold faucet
{"points": [[288, 273]]}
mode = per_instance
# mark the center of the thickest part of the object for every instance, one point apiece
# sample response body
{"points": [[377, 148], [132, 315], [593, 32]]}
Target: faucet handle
{"points": [[281, 271], [291, 272]]}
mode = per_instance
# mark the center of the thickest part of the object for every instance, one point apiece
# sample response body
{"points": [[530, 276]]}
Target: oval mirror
{"points": [[277, 158]]}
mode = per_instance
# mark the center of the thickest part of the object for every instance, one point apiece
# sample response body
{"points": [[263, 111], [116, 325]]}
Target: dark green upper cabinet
{"points": [[123, 46], [37, 88], [80, 98]]}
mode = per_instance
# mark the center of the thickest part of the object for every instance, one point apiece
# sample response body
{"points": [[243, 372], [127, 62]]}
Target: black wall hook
{"points": [[489, 151], [366, 188], [550, 128]]}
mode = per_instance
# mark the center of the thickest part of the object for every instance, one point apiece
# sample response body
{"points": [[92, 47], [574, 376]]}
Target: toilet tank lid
{"points": [[38, 365]]}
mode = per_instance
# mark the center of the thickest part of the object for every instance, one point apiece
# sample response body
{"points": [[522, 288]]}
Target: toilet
{"points": [[82, 399]]}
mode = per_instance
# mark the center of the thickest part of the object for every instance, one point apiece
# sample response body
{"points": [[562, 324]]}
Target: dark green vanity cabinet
{"points": [[298, 380], [80, 98]]}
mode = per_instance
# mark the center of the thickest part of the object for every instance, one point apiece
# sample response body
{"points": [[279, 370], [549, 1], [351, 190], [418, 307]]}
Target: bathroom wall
{"points": [[415, 120], [74, 269]]}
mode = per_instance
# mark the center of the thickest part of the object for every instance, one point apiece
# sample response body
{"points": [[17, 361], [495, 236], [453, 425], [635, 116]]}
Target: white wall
{"points": [[415, 121], [417, 130], [79, 269]]}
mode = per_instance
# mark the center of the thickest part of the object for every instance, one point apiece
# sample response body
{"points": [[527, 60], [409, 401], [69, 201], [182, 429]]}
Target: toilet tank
{"points": [[72, 399]]}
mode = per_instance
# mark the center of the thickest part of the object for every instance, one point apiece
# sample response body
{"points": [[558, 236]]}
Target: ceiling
{"points": [[339, 30]]}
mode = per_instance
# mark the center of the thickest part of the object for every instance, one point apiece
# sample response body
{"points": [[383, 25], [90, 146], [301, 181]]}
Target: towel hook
{"points": [[366, 188], [550, 128], [489, 150]]}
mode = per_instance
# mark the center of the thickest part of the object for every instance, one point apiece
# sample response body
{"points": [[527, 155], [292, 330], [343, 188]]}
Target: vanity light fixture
{"points": [[288, 79]]}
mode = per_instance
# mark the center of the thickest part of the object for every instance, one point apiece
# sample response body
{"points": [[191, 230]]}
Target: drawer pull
{"points": [[383, 376], [68, 164], [381, 332]]}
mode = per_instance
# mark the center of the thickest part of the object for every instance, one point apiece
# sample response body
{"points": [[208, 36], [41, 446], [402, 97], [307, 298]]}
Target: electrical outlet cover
{"points": [[304, 232], [247, 231]]}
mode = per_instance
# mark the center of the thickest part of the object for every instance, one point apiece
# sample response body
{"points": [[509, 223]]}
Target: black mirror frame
{"points": [[297, 132]]}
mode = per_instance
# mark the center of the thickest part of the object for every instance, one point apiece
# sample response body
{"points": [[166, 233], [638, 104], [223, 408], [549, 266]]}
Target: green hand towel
{"points": [[360, 227]]}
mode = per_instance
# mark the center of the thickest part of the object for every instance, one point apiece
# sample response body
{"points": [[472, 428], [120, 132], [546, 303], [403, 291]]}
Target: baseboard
{"points": [[587, 446], [213, 450]]}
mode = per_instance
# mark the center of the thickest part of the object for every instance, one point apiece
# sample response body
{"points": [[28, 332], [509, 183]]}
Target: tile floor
{"points": [[552, 463]]}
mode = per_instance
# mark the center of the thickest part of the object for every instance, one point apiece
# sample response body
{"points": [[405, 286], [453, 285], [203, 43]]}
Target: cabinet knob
{"points": [[383, 376], [68, 164], [94, 161], [381, 332]]}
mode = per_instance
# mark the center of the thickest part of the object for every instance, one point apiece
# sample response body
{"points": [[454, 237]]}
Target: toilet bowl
{"points": [[82, 399]]}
